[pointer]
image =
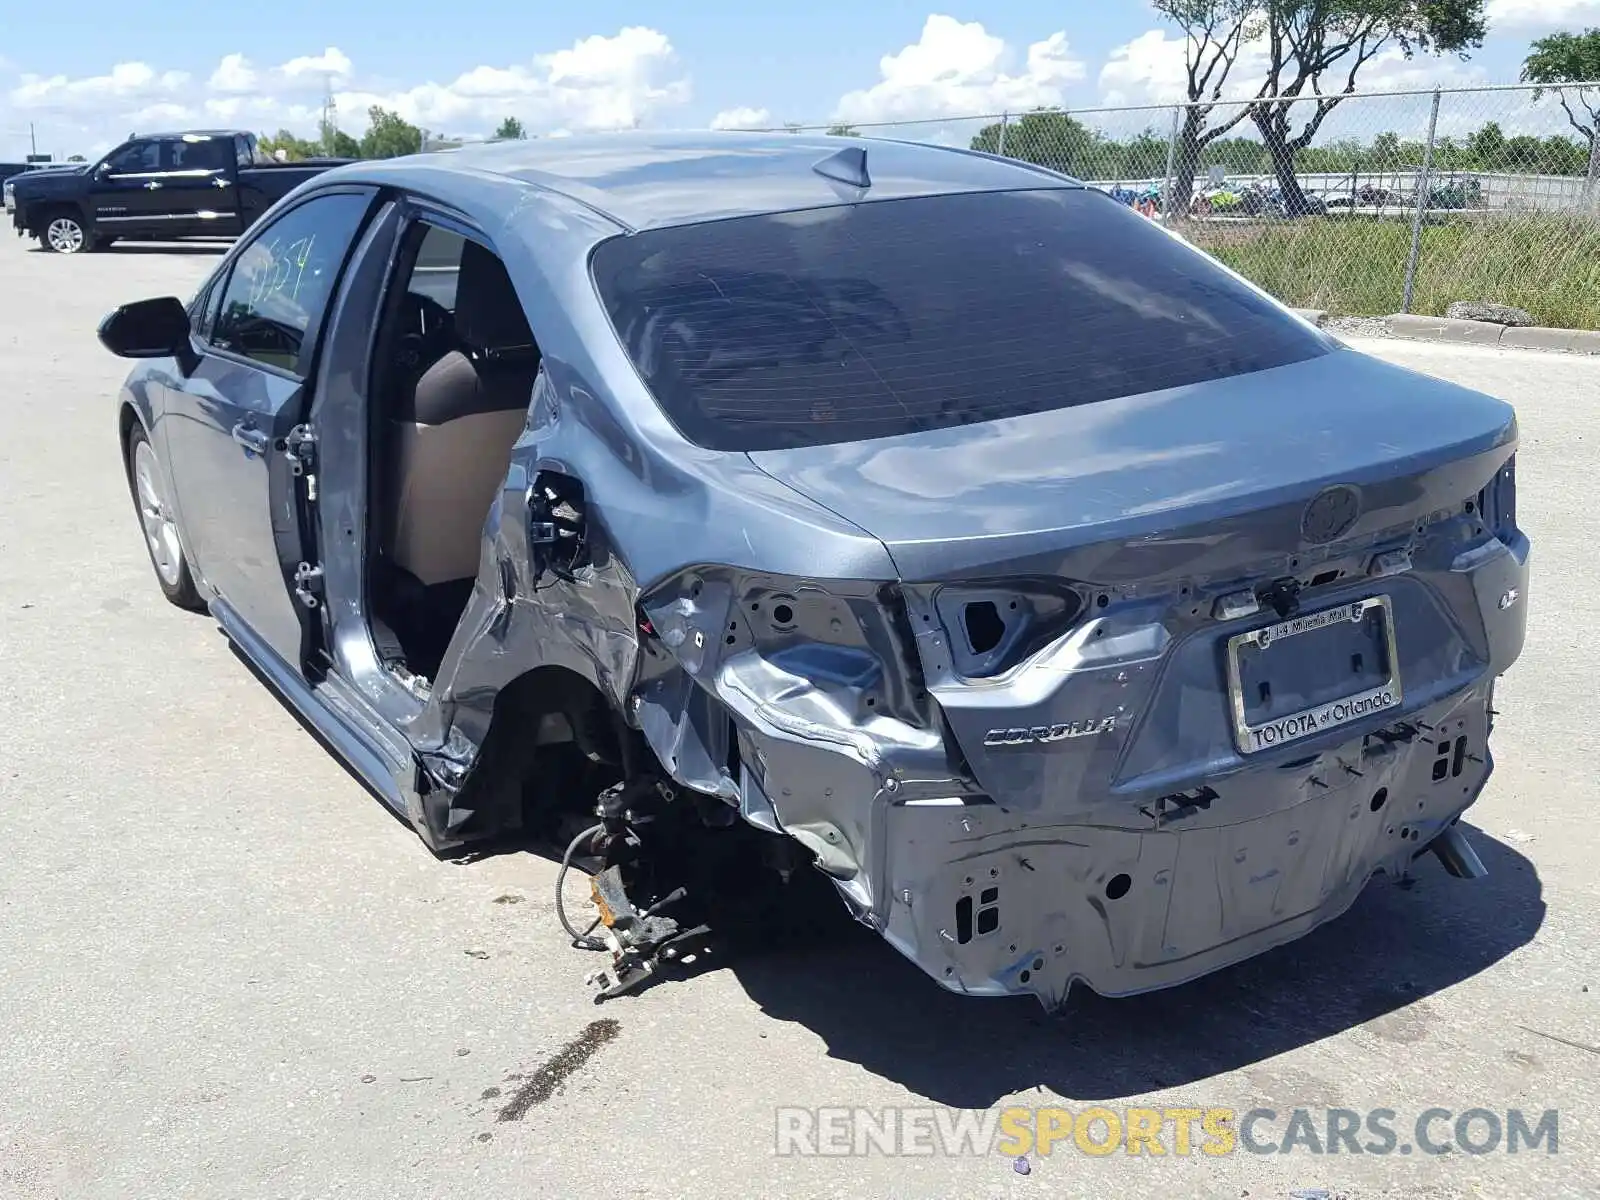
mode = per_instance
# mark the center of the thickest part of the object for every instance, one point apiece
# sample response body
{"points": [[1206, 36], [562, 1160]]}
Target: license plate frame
{"points": [[1307, 722]]}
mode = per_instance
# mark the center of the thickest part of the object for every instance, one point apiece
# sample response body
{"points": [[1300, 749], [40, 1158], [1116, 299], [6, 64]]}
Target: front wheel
{"points": [[64, 233], [155, 519]]}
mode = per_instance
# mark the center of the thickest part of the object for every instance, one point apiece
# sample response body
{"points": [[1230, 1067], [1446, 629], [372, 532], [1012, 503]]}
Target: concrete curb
{"points": [[1316, 316], [1485, 333]]}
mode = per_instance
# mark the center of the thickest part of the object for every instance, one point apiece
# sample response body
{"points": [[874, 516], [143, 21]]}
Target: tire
{"points": [[64, 233], [146, 486]]}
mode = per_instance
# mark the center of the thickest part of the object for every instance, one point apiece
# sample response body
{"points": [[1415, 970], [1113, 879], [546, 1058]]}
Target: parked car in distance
{"points": [[155, 187], [733, 505], [11, 170]]}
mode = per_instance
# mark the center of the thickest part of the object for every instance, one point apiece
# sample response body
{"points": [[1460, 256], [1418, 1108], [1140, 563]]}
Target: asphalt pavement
{"points": [[226, 971]]}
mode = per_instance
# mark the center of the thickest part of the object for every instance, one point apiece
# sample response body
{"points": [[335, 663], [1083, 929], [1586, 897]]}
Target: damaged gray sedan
{"points": [[729, 505]]}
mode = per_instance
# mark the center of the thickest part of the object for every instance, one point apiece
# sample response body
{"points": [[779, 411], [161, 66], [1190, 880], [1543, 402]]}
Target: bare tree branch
{"points": [[1587, 131]]}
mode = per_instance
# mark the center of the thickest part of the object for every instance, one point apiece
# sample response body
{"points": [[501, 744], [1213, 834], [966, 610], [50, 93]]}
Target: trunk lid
{"points": [[990, 497]]}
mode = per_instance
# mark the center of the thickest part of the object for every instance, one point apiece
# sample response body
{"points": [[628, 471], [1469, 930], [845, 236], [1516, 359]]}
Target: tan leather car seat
{"points": [[457, 427]]}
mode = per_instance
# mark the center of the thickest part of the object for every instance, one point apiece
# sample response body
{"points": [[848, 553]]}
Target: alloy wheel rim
{"points": [[160, 533], [65, 235]]}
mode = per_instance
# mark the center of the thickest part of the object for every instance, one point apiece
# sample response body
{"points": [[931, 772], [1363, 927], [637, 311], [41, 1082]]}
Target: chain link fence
{"points": [[1364, 204]]}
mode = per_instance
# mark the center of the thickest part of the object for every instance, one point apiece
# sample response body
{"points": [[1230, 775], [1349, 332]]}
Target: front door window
{"points": [[282, 280], [139, 158]]}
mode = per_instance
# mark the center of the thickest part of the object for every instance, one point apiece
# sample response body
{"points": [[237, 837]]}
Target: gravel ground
{"points": [[225, 970], [1357, 327]]}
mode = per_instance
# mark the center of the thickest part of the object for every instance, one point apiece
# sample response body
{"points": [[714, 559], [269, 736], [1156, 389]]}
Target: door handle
{"points": [[152, 185], [251, 438], [221, 183]]}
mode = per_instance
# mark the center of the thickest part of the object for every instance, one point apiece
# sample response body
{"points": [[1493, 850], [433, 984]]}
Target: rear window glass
{"points": [[896, 316]]}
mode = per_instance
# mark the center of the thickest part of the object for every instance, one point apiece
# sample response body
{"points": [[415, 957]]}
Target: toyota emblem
{"points": [[1330, 514]]}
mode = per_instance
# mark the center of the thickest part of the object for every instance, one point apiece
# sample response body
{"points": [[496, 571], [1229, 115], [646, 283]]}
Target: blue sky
{"points": [[85, 74]]}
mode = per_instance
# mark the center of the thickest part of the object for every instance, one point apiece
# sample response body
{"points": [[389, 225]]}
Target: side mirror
{"points": [[147, 329]]}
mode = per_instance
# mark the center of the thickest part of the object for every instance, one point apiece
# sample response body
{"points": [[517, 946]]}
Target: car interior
{"points": [[456, 364]]}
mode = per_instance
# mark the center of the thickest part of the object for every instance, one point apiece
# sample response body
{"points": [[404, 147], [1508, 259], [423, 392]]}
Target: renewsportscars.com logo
{"points": [[1099, 1131]]}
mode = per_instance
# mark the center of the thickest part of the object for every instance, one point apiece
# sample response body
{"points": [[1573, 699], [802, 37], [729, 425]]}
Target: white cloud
{"points": [[959, 68], [742, 118], [161, 114], [1541, 14], [1152, 69], [331, 61], [599, 82], [1391, 71], [124, 82], [233, 74], [1147, 70]]}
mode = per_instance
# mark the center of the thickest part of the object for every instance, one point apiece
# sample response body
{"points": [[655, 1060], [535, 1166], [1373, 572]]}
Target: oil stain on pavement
{"points": [[544, 1082]]}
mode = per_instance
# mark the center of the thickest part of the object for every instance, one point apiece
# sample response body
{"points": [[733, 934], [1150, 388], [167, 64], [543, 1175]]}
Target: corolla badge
{"points": [[1041, 735]]}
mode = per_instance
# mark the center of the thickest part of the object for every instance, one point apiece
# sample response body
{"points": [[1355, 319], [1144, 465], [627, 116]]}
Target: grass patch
{"points": [[1547, 263]]}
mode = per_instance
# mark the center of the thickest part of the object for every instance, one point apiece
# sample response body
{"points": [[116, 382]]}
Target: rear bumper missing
{"points": [[992, 904], [1095, 866]]}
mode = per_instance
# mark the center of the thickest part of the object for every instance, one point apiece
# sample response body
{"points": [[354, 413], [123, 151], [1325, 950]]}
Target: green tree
{"points": [[1314, 49], [1236, 155], [1346, 154], [1141, 157], [389, 135], [1487, 147], [1562, 156], [1215, 31], [1570, 58], [1051, 139], [510, 130], [1308, 40], [294, 148], [842, 130], [335, 142], [1450, 155]]}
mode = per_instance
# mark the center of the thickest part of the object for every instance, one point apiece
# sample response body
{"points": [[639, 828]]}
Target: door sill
{"points": [[354, 736]]}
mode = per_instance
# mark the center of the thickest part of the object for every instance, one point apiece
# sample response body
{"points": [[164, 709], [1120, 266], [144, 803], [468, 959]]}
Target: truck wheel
{"points": [[155, 520], [64, 233]]}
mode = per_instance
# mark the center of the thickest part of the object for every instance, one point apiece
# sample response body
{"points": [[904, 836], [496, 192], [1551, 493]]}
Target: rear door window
{"points": [[438, 266], [198, 154], [891, 317]]}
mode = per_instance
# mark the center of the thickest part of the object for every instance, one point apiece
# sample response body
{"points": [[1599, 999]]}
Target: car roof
{"points": [[194, 133], [643, 180]]}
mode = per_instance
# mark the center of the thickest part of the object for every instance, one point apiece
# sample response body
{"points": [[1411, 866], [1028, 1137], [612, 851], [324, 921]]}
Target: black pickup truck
{"points": [[155, 187]]}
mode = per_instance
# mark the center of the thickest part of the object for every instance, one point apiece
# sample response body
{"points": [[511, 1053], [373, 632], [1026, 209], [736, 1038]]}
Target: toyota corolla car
{"points": [[930, 519]]}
